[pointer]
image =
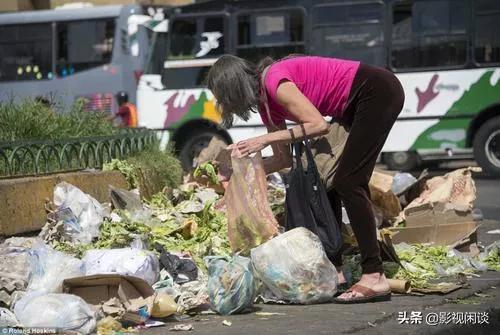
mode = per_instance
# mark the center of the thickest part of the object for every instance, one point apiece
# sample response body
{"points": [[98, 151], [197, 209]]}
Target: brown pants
{"points": [[375, 101]]}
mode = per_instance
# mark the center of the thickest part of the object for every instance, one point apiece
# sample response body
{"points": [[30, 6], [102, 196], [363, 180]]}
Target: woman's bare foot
{"points": [[375, 281]]}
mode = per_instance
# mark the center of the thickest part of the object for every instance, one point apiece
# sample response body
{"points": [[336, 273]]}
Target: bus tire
{"points": [[486, 145], [192, 147], [401, 161]]}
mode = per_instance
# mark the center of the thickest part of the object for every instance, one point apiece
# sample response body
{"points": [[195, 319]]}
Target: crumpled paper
{"points": [[190, 295], [456, 190], [14, 268], [7, 318]]}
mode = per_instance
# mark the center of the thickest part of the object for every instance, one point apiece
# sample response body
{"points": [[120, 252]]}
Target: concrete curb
{"points": [[22, 199]]}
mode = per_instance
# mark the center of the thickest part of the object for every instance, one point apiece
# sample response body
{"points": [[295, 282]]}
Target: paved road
{"points": [[488, 200], [379, 318], [488, 197]]}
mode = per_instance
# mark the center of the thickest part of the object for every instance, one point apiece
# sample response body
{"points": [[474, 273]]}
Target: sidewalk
{"points": [[363, 318], [376, 318]]}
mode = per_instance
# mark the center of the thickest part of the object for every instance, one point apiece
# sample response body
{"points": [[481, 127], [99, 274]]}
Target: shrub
{"points": [[150, 170], [34, 120]]}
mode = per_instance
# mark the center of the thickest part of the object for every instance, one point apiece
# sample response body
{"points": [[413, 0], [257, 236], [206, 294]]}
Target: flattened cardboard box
{"points": [[439, 234], [99, 288], [435, 214]]}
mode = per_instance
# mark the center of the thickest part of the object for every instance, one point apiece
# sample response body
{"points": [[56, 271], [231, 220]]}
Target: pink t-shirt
{"points": [[326, 82]]}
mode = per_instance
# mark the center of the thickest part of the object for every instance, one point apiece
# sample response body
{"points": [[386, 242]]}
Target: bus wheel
{"points": [[193, 146], [487, 146], [401, 160]]}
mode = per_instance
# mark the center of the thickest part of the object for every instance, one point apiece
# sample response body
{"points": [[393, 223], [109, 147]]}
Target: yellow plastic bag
{"points": [[250, 219]]}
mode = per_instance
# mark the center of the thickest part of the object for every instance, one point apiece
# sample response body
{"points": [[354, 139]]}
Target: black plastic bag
{"points": [[182, 270], [307, 203]]}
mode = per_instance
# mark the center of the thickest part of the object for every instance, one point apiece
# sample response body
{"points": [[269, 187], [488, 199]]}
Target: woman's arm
{"points": [[311, 122]]}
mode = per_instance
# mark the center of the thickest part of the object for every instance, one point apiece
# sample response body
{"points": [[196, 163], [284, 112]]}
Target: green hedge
{"points": [[150, 170], [33, 120]]}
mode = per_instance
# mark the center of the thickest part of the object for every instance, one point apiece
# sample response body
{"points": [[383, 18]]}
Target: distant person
{"points": [[126, 111]]}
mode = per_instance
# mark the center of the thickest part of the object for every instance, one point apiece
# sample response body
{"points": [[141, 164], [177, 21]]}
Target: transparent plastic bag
{"points": [[295, 268], [250, 218], [124, 199], [65, 312], [401, 182], [126, 261], [231, 284], [49, 267], [87, 212]]}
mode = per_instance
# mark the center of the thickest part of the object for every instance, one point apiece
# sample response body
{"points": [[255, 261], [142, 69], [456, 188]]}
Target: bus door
{"points": [[176, 98], [172, 88]]}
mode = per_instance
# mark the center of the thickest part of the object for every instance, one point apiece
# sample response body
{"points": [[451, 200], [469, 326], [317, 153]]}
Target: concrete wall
{"points": [[22, 199]]}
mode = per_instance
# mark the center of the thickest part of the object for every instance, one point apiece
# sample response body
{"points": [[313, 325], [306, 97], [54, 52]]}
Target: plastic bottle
{"points": [[164, 305]]}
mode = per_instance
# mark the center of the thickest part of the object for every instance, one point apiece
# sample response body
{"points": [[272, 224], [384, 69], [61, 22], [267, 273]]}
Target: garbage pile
{"points": [[135, 263], [431, 224], [131, 263]]}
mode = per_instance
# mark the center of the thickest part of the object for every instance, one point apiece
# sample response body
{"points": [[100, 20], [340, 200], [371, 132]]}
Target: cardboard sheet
{"points": [[98, 289], [435, 214], [439, 234]]}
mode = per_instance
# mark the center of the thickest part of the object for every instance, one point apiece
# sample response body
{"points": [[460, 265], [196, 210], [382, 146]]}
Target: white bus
{"points": [[445, 52], [65, 54]]}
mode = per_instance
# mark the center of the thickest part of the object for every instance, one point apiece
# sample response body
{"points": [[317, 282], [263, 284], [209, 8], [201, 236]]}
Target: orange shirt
{"points": [[128, 114]]}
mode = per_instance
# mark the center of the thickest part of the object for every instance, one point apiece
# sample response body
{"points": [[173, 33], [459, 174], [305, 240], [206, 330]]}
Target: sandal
{"points": [[341, 288], [369, 295]]}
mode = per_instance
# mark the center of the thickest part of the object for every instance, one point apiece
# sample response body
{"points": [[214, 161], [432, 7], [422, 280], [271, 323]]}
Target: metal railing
{"points": [[27, 158]]}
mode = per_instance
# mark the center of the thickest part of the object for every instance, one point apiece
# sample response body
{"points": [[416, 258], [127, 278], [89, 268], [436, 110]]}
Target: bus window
{"points": [[275, 34], [487, 31], [197, 37], [194, 42], [158, 50], [215, 26], [184, 77], [354, 31], [429, 34], [83, 45], [183, 38], [26, 52]]}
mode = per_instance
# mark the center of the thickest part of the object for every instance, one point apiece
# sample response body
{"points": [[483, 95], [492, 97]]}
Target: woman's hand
{"points": [[251, 145]]}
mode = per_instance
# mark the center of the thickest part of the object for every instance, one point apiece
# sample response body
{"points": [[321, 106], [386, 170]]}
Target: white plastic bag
{"points": [[49, 267], [295, 268], [87, 212], [125, 261], [56, 310]]}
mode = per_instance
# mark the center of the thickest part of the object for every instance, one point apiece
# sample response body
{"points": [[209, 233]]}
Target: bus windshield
{"points": [[67, 54]]}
